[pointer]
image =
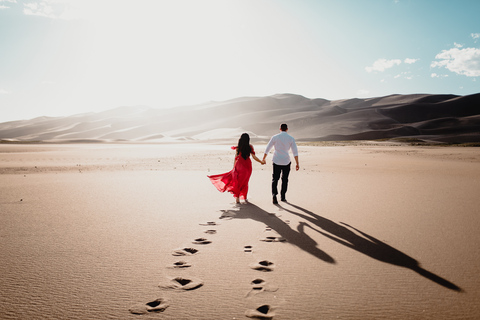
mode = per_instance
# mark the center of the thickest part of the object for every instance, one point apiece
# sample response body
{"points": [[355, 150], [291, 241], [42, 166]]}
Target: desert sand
{"points": [[137, 231]]}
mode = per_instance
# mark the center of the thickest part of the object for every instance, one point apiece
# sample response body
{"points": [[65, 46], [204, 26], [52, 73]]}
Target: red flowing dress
{"points": [[236, 180]]}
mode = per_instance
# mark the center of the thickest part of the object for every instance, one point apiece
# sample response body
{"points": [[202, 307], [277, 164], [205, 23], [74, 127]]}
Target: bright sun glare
{"points": [[169, 53], [177, 49]]}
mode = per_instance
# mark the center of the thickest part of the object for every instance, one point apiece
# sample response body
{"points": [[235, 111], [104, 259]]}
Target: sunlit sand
{"points": [[98, 231]]}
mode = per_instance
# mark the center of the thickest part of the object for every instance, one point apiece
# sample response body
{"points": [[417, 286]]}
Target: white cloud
{"points": [[461, 61], [4, 6], [57, 9], [3, 91], [457, 45], [435, 75], [475, 36], [9, 1], [407, 75], [383, 64], [43, 9], [410, 61], [91, 9]]}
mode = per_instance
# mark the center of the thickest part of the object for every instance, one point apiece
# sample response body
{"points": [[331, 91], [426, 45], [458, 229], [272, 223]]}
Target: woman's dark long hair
{"points": [[243, 147]]}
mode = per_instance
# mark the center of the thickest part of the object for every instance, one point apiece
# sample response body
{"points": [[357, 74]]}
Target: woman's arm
{"points": [[235, 160], [256, 158], [252, 153]]}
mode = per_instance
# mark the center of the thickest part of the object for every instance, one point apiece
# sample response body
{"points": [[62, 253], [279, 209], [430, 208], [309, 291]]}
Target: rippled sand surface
{"points": [[369, 232]]}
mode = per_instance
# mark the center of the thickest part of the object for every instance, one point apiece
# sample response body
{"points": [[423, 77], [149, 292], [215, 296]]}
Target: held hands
{"points": [[265, 162]]}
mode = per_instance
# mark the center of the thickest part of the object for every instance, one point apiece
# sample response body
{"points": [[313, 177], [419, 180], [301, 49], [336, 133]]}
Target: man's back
{"points": [[282, 142]]}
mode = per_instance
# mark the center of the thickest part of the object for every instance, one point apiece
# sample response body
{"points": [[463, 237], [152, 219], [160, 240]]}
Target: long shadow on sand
{"points": [[363, 243], [297, 238]]}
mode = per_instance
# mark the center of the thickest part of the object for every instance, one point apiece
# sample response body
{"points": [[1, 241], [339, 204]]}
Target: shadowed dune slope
{"points": [[442, 118]]}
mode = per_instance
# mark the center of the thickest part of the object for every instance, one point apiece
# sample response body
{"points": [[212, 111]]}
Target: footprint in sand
{"points": [[201, 241], [210, 231], [264, 265], [209, 223], [180, 283], [248, 249], [158, 305], [180, 265], [263, 312], [260, 285], [273, 239], [185, 252]]}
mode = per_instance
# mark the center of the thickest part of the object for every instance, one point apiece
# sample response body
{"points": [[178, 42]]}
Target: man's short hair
{"points": [[283, 127]]}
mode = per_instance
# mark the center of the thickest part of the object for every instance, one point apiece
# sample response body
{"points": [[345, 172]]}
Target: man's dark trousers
{"points": [[284, 171]]}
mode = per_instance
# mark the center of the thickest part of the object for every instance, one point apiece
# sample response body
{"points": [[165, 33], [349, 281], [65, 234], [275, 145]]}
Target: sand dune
{"points": [[443, 118]]}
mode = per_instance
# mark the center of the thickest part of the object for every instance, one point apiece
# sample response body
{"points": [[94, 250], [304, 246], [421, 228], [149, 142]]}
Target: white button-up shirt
{"points": [[282, 142]]}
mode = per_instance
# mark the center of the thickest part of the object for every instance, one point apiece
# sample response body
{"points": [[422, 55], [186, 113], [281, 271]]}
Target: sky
{"points": [[64, 57]]}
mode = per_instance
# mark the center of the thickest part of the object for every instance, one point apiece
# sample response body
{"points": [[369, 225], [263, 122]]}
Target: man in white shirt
{"points": [[283, 142]]}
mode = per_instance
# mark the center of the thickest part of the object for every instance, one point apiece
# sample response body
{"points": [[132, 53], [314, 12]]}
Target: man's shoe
{"points": [[275, 200], [283, 199]]}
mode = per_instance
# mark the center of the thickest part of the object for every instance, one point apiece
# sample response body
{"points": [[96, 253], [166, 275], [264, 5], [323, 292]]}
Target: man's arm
{"points": [[268, 148], [295, 154]]}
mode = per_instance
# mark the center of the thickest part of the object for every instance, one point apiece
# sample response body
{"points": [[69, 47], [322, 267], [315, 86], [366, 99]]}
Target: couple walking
{"points": [[236, 180]]}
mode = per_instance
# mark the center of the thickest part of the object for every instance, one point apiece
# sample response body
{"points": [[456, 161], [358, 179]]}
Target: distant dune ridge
{"points": [[441, 118]]}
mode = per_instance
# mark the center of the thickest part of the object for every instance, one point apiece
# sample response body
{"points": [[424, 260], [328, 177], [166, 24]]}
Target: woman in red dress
{"points": [[236, 180]]}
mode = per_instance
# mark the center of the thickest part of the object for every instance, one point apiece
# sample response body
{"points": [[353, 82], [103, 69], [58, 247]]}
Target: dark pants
{"points": [[284, 171]]}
